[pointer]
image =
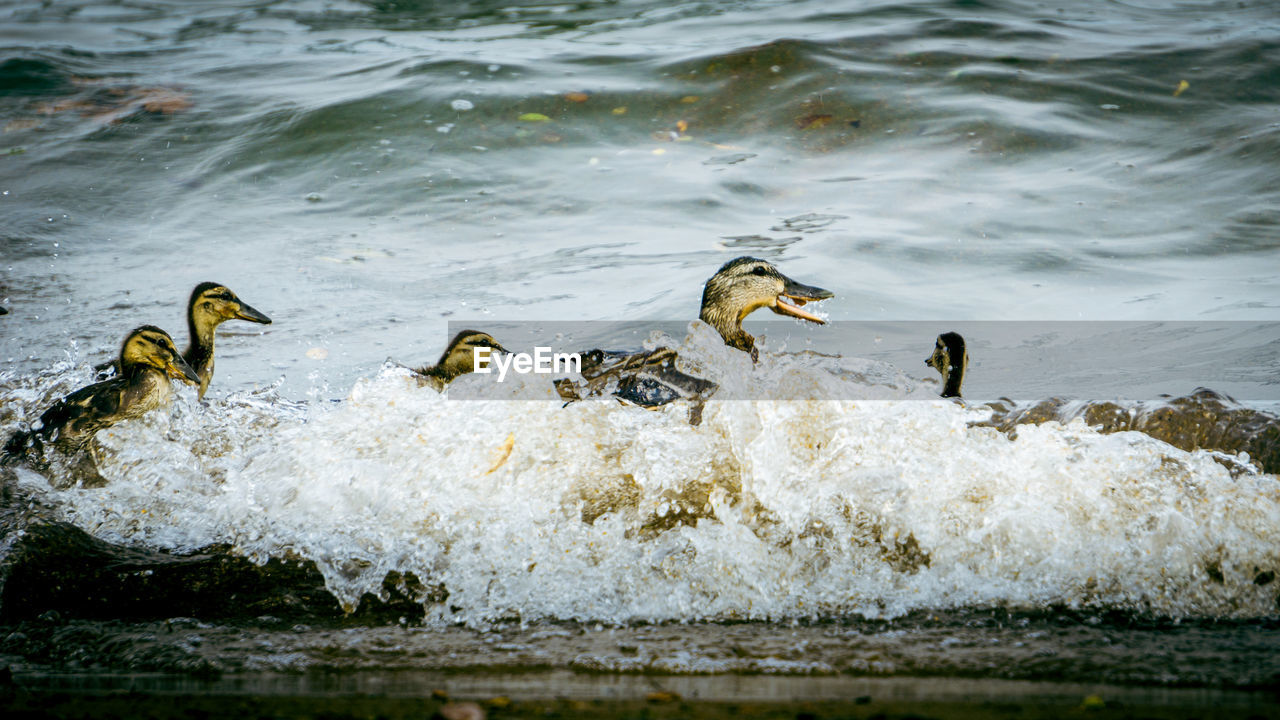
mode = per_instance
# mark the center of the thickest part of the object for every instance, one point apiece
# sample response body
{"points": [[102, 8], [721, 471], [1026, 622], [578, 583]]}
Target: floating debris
{"points": [[116, 104], [813, 122], [21, 124]]}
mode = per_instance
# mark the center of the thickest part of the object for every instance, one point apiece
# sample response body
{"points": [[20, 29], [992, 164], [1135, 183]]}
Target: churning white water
{"points": [[605, 512]]}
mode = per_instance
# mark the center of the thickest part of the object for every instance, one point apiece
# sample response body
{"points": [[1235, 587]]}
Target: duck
{"points": [[458, 359], [647, 379], [651, 379], [951, 359], [211, 304], [746, 284], [1202, 420], [148, 360]]}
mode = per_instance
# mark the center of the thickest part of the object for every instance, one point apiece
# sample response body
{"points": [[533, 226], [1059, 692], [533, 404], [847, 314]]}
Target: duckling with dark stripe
{"points": [[148, 359], [951, 359], [211, 304], [457, 359]]}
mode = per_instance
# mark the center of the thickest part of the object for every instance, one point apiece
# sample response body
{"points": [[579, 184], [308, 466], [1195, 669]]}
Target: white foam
{"points": [[803, 508]]}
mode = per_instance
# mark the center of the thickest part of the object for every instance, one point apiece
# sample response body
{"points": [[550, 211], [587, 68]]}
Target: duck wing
{"points": [[74, 419]]}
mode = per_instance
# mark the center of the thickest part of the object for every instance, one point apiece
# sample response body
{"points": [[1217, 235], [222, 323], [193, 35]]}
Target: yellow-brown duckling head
{"points": [[951, 359], [746, 284], [459, 357], [150, 347], [212, 304]]}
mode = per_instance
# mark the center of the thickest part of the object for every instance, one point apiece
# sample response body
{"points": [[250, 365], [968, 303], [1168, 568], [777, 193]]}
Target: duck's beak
{"points": [[246, 312], [179, 369], [799, 294], [929, 361], [496, 348]]}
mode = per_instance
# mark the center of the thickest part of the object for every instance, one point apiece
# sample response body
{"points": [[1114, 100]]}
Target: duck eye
{"points": [[759, 270]]}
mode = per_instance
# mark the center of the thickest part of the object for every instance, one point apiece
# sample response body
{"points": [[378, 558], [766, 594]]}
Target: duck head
{"points": [[746, 284], [459, 357], [212, 304], [149, 346], [951, 359]]}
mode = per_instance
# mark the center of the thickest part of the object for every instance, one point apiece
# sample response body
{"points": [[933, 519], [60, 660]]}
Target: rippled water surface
{"points": [[366, 173], [923, 161]]}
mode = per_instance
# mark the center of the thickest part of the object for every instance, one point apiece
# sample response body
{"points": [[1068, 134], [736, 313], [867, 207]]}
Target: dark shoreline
{"points": [[567, 694], [71, 603]]}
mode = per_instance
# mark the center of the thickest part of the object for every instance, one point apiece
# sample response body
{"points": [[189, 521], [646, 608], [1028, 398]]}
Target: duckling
{"points": [[648, 379], [457, 359], [951, 359], [746, 284], [1203, 420], [651, 379], [148, 359], [211, 304]]}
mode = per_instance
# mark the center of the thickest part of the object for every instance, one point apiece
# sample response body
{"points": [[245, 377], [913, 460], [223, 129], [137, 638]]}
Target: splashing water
{"points": [[774, 510]]}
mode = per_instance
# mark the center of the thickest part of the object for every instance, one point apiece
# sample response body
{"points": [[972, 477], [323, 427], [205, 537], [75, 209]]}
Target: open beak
{"points": [[245, 312], [179, 369], [794, 295]]}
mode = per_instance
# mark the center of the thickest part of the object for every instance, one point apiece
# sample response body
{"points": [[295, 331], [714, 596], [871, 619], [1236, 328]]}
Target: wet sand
{"points": [[566, 694]]}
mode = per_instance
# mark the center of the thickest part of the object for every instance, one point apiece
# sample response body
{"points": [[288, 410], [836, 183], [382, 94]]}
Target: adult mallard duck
{"points": [[211, 304], [651, 379], [746, 284], [148, 359], [951, 359], [458, 358]]}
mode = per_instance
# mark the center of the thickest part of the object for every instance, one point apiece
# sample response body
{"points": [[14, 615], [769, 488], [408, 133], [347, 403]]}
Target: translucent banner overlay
{"points": [[1135, 360]]}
